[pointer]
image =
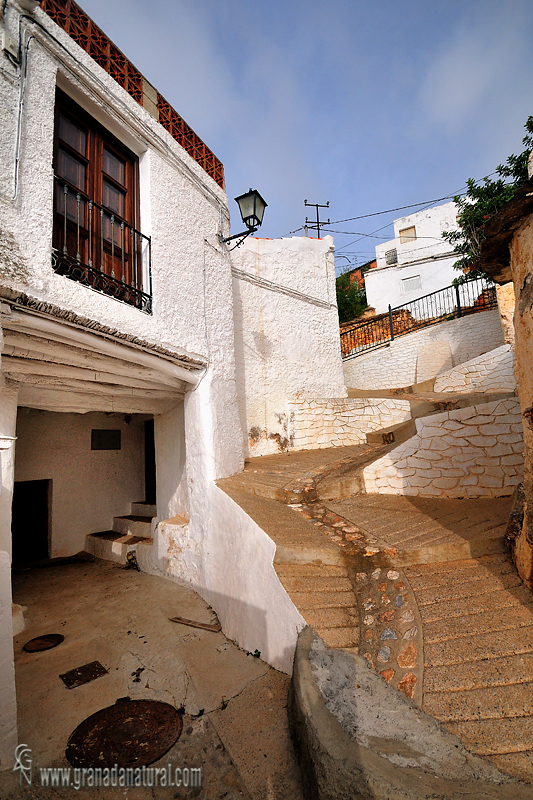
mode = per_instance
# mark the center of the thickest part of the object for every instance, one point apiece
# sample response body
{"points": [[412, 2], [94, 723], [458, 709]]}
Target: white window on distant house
{"points": [[408, 235], [391, 257], [411, 284]]}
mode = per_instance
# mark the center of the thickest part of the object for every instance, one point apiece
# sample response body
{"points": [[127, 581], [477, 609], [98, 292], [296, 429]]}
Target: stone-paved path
{"points": [[423, 588]]}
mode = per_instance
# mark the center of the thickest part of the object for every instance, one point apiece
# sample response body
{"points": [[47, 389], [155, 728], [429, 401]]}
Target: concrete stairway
{"points": [[129, 532]]}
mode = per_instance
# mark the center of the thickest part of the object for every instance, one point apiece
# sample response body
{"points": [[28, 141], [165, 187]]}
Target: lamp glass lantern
{"points": [[252, 207]]}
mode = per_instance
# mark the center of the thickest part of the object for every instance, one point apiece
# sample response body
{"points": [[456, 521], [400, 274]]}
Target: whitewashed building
{"points": [[119, 316], [416, 262]]}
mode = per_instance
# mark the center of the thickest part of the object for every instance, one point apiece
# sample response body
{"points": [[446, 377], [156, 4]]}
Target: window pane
{"points": [[68, 201], [408, 235], [412, 284], [112, 232], [72, 170], [72, 135], [391, 257], [114, 166], [113, 198]]}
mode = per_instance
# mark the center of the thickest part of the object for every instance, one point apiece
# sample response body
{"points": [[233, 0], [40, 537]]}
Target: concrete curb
{"points": [[394, 751]]}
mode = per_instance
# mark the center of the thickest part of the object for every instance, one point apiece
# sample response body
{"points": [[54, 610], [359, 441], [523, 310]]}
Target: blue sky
{"points": [[370, 105]]}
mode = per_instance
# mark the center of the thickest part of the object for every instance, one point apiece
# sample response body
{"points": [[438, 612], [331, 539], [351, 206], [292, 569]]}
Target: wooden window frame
{"points": [[98, 138]]}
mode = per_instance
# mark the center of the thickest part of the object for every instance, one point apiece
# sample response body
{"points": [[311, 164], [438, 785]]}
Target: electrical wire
{"points": [[425, 203]]}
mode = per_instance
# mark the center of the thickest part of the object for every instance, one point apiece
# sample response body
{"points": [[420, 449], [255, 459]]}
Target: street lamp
{"points": [[252, 207]]}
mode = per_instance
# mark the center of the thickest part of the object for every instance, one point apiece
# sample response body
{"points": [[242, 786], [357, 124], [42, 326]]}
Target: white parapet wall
{"points": [[335, 423], [287, 344], [469, 452], [423, 355], [491, 372]]}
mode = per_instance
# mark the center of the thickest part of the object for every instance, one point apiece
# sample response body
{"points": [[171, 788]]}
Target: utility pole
{"points": [[318, 223]]}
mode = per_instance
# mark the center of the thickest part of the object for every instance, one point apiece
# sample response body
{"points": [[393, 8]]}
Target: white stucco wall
{"points": [[177, 197], [424, 354], [429, 256], [171, 479], [223, 555], [490, 372], [286, 333], [89, 487], [8, 702], [251, 603], [385, 286], [469, 452], [8, 419]]}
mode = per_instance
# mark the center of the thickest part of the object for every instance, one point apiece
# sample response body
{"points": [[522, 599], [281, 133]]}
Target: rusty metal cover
{"points": [[132, 733], [45, 642], [84, 674]]}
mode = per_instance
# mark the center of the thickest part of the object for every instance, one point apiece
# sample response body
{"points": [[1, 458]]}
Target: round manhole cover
{"points": [[45, 642], [132, 733]]}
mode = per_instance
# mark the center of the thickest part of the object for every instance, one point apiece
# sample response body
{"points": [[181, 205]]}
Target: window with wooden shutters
{"points": [[96, 209]]}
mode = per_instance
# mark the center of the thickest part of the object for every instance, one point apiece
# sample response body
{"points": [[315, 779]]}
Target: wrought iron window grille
{"points": [[96, 248]]}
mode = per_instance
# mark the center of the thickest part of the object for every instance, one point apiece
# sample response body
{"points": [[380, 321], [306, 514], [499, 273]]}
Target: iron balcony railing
{"points": [[97, 248], [452, 302]]}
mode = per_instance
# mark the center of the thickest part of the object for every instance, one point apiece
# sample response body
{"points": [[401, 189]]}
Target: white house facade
{"points": [[416, 262], [118, 325]]}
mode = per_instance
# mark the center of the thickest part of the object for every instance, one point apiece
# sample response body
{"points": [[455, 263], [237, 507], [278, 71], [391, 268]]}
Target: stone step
{"points": [[502, 671], [495, 736], [346, 480], [143, 509], [478, 704], [393, 434], [133, 525], [340, 637], [316, 583], [113, 546], [310, 600], [320, 618]]}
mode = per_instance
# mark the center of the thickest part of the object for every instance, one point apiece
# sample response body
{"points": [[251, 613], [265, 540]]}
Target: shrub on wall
{"points": [[351, 299]]}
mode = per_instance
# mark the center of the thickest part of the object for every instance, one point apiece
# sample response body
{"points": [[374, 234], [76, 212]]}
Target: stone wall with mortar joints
{"points": [[336, 423], [491, 372], [469, 452], [424, 354], [287, 343]]}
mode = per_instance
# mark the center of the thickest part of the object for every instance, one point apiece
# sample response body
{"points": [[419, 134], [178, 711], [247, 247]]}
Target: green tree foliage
{"points": [[351, 299], [481, 202]]}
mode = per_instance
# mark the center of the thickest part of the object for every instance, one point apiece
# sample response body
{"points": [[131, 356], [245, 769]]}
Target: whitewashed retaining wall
{"points": [[469, 452], [491, 372], [424, 354], [330, 423]]}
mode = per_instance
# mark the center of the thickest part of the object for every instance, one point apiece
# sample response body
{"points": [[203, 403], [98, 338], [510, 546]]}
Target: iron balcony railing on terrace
{"points": [[450, 303], [97, 248]]}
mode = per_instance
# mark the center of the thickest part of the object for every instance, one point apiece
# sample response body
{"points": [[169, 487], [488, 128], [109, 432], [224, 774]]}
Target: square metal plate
{"points": [[84, 674]]}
